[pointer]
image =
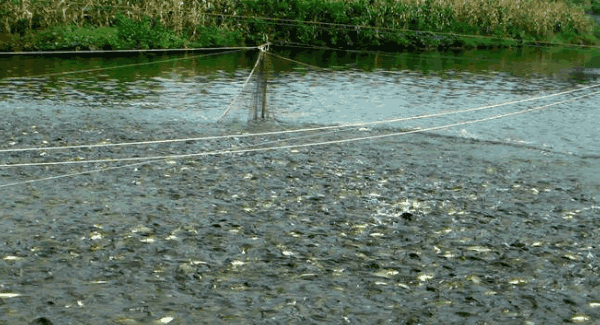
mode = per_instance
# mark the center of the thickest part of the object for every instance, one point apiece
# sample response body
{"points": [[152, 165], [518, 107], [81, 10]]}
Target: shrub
{"points": [[145, 34]]}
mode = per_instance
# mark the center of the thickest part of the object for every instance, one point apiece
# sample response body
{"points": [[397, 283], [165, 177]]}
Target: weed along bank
{"points": [[382, 25]]}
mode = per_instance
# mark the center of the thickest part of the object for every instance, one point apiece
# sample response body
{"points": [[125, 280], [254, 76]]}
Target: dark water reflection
{"points": [[364, 87]]}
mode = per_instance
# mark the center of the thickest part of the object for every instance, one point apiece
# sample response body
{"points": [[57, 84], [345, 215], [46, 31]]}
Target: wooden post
{"points": [[265, 70], [260, 97]]}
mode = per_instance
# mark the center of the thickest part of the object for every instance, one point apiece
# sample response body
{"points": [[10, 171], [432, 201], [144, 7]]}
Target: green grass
{"points": [[405, 24]]}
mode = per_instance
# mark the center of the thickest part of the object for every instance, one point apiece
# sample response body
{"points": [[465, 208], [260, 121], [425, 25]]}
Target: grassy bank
{"points": [[118, 24]]}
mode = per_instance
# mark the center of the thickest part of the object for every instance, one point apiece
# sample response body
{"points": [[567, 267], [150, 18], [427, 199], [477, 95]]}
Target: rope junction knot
{"points": [[265, 47]]}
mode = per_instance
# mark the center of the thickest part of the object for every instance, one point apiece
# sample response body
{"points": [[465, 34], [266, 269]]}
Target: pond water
{"points": [[421, 229], [364, 87]]}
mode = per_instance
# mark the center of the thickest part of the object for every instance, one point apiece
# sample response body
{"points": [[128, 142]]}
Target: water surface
{"points": [[426, 228], [363, 87]]}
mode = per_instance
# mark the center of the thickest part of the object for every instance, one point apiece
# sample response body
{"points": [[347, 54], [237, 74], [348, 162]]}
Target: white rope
{"points": [[296, 130], [128, 51], [243, 88], [393, 29], [306, 64], [74, 174], [117, 67], [143, 163], [387, 54], [220, 152]]}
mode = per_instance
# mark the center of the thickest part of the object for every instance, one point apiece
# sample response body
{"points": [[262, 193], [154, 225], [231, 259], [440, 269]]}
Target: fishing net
{"points": [[251, 102]]}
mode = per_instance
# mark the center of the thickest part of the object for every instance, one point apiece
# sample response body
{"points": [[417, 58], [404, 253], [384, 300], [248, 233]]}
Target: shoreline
{"points": [[103, 26]]}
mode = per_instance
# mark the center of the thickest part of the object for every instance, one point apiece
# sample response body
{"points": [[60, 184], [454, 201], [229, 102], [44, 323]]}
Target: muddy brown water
{"points": [[414, 229]]}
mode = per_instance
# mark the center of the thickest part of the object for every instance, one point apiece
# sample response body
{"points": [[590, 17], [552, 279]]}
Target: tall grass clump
{"points": [[421, 22], [53, 24], [518, 18]]}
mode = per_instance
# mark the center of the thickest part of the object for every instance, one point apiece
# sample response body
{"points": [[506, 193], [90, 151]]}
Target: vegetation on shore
{"points": [[389, 24]]}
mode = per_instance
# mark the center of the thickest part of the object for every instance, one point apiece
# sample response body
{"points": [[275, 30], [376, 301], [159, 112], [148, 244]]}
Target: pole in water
{"points": [[259, 79], [260, 99], [264, 90]]}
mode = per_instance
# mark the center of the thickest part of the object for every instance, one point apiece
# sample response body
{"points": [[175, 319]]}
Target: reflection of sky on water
{"points": [[351, 97]]}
